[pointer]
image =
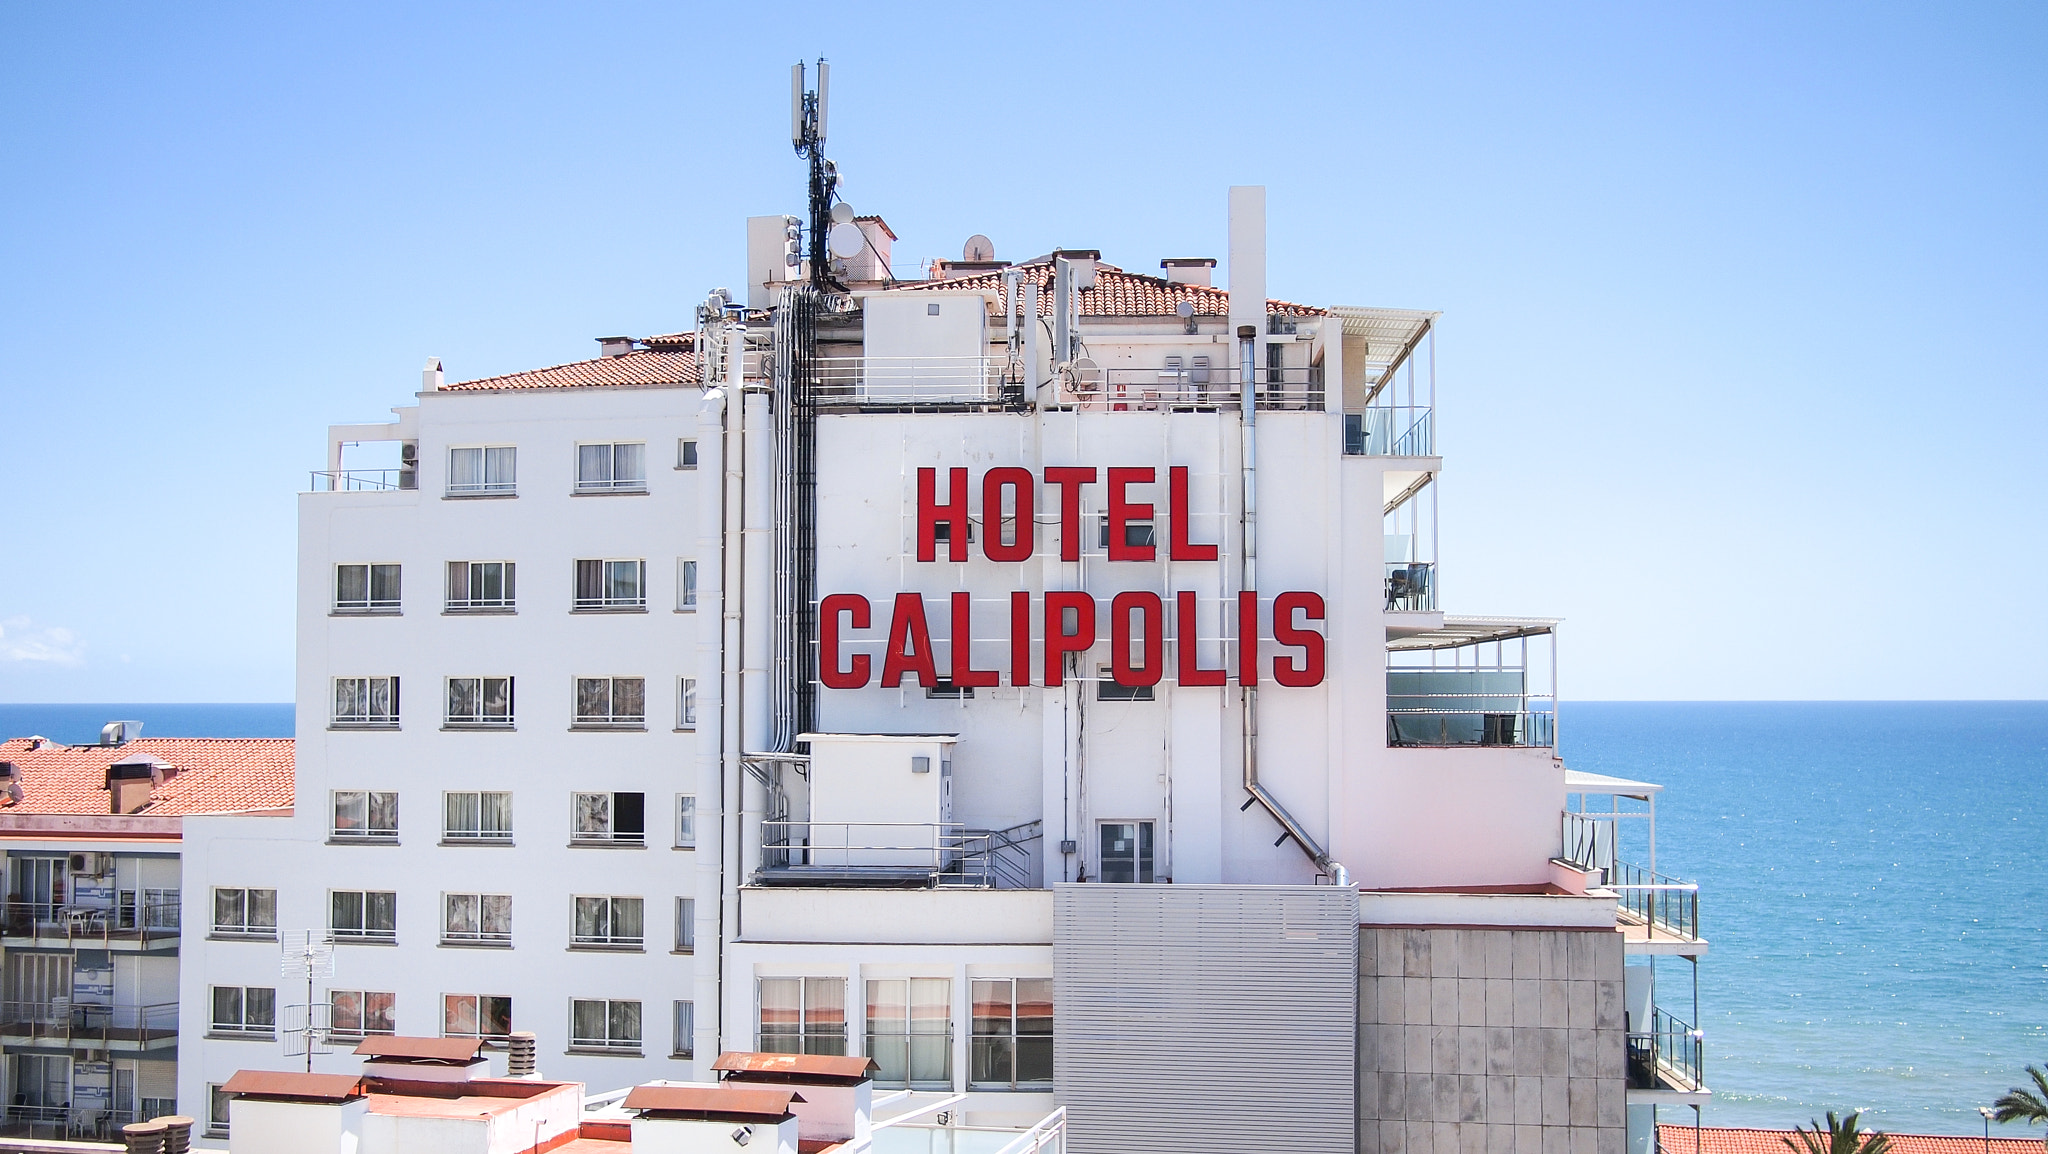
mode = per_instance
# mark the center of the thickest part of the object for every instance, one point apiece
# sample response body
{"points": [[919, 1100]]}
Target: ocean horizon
{"points": [[1870, 885]]}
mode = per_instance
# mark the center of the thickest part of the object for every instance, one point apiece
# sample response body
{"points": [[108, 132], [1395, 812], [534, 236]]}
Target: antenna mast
{"points": [[807, 134]]}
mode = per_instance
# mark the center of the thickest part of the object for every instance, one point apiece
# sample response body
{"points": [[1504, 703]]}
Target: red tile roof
{"points": [[1742, 1140], [1116, 293], [669, 365], [205, 775]]}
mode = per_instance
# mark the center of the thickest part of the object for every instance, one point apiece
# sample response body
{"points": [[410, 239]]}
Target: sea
{"points": [[1873, 886]]}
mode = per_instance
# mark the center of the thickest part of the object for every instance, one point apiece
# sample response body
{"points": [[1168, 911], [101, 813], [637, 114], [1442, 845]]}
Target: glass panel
{"points": [[383, 699], [688, 709], [489, 582], [782, 1001], [259, 1007], [346, 911], [461, 920], [384, 581], [458, 1015], [686, 924], [1145, 851], [1034, 1060], [499, 466], [685, 1028], [686, 820], [263, 909], [377, 1012], [628, 919], [990, 1061], [991, 1007], [497, 1016], [593, 697], [623, 581], [463, 814], [458, 582], [465, 469], [593, 464], [345, 1011], [630, 816], [495, 815], [380, 913], [1119, 852], [1034, 1006], [497, 698], [629, 699], [891, 1053], [589, 582], [686, 585], [586, 1022], [496, 916], [625, 1023], [593, 815], [629, 464], [227, 1007], [383, 813], [351, 586], [931, 1005], [351, 810], [593, 919], [230, 909], [462, 698], [888, 1006], [348, 698]]}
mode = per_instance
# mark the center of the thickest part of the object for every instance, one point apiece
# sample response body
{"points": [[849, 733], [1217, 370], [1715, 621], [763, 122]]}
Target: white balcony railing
{"points": [[362, 480]]}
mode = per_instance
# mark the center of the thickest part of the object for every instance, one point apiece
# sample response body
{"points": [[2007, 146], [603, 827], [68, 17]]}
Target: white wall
{"points": [[683, 1136], [261, 1127]]}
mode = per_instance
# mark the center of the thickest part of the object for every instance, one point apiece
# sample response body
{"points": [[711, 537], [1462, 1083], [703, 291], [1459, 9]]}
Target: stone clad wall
{"points": [[1481, 1041]]}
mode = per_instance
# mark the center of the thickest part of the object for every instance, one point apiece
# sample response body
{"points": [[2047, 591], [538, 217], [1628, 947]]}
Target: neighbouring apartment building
{"points": [[89, 939], [1038, 678]]}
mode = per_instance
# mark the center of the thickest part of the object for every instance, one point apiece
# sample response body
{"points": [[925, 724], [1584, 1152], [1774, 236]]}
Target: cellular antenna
{"points": [[807, 134]]}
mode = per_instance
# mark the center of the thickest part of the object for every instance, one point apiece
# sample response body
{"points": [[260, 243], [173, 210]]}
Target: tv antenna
{"points": [[807, 134], [307, 954]]}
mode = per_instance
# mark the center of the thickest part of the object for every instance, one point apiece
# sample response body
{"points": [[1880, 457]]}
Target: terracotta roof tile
{"points": [[1116, 293], [1743, 1140], [671, 365], [206, 775]]}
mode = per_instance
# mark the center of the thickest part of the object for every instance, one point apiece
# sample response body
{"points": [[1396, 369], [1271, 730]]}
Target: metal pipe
{"points": [[1247, 336], [732, 555], [710, 852]]}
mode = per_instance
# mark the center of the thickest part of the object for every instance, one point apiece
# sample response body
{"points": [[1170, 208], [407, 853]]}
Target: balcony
{"points": [[1410, 587], [146, 919], [1658, 914], [1668, 1056], [909, 382], [1391, 431], [60, 1123], [1194, 389], [64, 1023], [1471, 681], [361, 480], [939, 855]]}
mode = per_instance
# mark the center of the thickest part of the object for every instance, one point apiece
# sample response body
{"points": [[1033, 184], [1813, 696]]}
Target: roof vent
{"points": [[431, 377], [614, 346], [1190, 269], [120, 732]]}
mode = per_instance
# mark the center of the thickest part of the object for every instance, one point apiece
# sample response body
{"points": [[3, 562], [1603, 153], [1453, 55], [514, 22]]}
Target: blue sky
{"points": [[1743, 303]]}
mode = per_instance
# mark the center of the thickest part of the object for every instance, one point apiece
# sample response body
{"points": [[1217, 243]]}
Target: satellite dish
{"points": [[842, 213], [1085, 375], [846, 240], [978, 248], [1184, 309]]}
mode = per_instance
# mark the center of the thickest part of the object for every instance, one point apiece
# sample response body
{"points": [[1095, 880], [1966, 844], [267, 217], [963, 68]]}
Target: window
{"points": [[480, 702], [944, 688], [610, 817], [611, 702], [1136, 533], [685, 1044], [366, 588], [1126, 852], [216, 1110], [686, 453], [363, 915], [686, 925], [611, 468], [480, 586], [251, 912], [1276, 363], [482, 470], [686, 703], [803, 1016], [942, 533], [1011, 1048], [610, 921], [686, 584], [486, 1016], [476, 817], [1108, 688], [366, 702], [597, 1024], [355, 1013], [476, 919], [365, 815], [244, 1010], [686, 821], [910, 1032], [611, 584]]}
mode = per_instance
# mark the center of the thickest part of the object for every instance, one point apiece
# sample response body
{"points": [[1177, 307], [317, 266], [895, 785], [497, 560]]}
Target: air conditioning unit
{"points": [[92, 865]]}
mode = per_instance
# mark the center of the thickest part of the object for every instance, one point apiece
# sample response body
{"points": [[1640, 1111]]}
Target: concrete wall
{"points": [[1490, 1041], [260, 1127], [681, 1136], [922, 917]]}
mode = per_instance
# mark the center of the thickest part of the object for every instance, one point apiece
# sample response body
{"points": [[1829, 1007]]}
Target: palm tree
{"points": [[2020, 1104], [1840, 1137]]}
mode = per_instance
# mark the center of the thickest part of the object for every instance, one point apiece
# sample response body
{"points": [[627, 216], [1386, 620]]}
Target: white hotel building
{"points": [[1033, 677]]}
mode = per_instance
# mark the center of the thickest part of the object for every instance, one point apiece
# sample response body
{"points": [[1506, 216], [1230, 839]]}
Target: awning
{"points": [[1579, 781], [1390, 335], [1460, 631]]}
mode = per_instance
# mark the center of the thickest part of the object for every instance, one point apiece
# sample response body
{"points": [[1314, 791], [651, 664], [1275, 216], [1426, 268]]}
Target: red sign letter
{"points": [[993, 483], [1020, 638], [1310, 671], [1069, 478], [1122, 511], [1148, 607], [930, 513], [1190, 635], [964, 672], [1183, 520], [855, 607], [1059, 642], [1248, 637], [910, 644]]}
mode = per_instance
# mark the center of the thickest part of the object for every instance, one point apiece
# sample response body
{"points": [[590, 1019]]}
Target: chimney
{"points": [[131, 781], [1084, 261], [614, 346], [144, 1137], [522, 1055], [1248, 262], [431, 378], [1189, 269], [872, 262], [177, 1133]]}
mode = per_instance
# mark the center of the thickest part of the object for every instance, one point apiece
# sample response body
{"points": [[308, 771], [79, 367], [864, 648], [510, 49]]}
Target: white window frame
{"points": [[686, 584], [363, 1007], [686, 821], [485, 715], [686, 704], [479, 835], [1142, 861], [907, 1029], [497, 469], [683, 1020], [608, 1043], [606, 595], [476, 1002], [1011, 1035], [216, 1111], [611, 834], [241, 1026], [686, 452], [370, 801], [607, 477], [611, 718], [1108, 688], [481, 909], [472, 574], [363, 691], [686, 926], [244, 928], [807, 1039], [369, 603], [363, 932], [610, 938]]}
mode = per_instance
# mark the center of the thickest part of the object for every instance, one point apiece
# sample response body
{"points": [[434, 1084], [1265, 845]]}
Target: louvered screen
{"points": [[1206, 1018], [156, 1079]]}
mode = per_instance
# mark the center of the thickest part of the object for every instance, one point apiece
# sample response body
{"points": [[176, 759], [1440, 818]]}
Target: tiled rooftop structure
{"points": [[199, 775], [1744, 1140]]}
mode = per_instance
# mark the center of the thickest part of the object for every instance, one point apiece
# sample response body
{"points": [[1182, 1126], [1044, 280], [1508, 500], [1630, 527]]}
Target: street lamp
{"points": [[1987, 1112]]}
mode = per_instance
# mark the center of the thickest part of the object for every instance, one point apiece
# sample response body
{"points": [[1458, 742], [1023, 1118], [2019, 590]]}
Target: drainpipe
{"points": [[1247, 339], [732, 557], [710, 853]]}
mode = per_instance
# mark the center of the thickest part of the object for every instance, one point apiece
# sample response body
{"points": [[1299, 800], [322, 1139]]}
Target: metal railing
{"points": [[1448, 727], [1489, 705], [1669, 1055], [1196, 388], [140, 917], [1391, 431], [61, 1122], [1411, 586], [892, 382], [361, 480], [946, 853], [66, 1022], [1660, 902], [1587, 841]]}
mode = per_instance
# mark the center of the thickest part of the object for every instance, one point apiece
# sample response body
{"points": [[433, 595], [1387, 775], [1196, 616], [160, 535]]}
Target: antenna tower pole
{"points": [[809, 115]]}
